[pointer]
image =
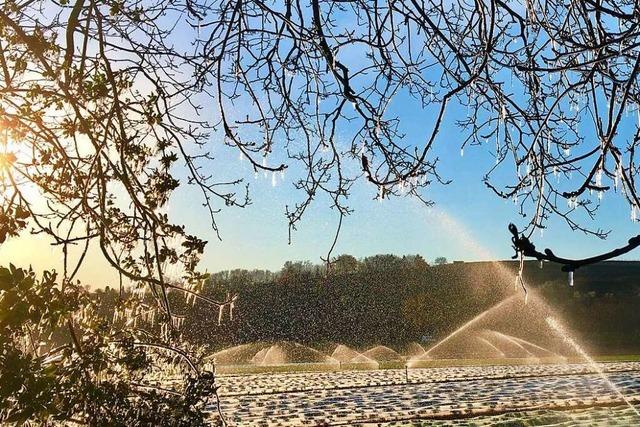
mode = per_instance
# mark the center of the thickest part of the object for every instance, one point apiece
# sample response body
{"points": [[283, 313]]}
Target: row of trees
{"points": [[391, 300]]}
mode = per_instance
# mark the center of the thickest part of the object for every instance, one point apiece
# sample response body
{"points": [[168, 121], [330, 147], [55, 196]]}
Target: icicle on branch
{"points": [[520, 279]]}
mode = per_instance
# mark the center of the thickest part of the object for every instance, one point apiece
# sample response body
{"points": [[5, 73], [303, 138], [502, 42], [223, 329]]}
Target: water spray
{"points": [[551, 321]]}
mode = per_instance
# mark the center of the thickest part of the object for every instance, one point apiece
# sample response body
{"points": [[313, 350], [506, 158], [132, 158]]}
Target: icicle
{"points": [[462, 152], [273, 179], [363, 147], [380, 192], [231, 306], [571, 279], [220, 309], [520, 280], [282, 174], [164, 331], [541, 264], [177, 322]]}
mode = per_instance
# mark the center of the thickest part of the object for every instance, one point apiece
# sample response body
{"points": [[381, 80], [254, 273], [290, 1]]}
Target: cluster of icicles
{"points": [[274, 174], [146, 314]]}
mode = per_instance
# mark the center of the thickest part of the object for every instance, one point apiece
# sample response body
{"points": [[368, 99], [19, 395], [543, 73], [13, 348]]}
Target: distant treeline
{"points": [[392, 300]]}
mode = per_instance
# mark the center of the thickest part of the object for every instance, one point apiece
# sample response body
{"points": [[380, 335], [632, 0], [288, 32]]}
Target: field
{"points": [[483, 394]]}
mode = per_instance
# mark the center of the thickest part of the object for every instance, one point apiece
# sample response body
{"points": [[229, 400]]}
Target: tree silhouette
{"points": [[440, 260]]}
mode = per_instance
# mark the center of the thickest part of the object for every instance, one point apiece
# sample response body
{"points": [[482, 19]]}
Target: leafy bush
{"points": [[62, 362]]}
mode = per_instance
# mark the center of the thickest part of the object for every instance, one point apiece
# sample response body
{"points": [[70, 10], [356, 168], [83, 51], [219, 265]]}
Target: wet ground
{"points": [[564, 394]]}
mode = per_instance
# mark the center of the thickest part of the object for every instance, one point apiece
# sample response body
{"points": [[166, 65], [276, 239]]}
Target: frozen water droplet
{"points": [[571, 278]]}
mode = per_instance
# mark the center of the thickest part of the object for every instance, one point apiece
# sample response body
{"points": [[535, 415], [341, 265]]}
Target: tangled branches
{"points": [[100, 102], [550, 88]]}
